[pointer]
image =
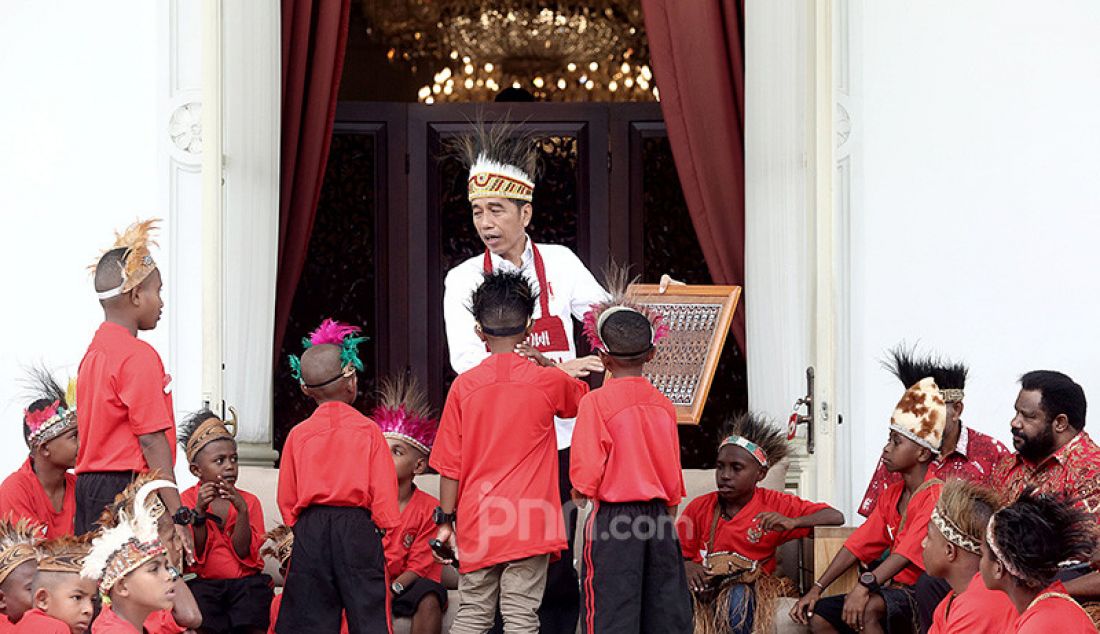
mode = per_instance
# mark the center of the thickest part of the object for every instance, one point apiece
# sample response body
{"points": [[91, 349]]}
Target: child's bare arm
{"points": [[158, 455], [185, 610]]}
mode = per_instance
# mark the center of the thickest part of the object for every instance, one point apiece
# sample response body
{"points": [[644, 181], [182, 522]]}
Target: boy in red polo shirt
{"points": [[898, 523], [126, 421], [43, 490], [62, 598], [337, 488], [744, 523], [405, 418], [497, 457], [626, 458], [231, 589], [953, 551], [1024, 544], [18, 563]]}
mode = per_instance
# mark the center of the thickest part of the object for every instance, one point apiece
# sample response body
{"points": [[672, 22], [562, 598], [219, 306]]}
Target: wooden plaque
{"points": [[699, 319]]}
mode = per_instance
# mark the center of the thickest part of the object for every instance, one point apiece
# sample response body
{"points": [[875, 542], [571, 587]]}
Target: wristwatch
{"points": [[397, 588], [439, 517], [183, 516], [867, 580]]}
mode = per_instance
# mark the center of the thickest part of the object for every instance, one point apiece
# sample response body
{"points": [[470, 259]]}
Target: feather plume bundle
{"points": [[618, 282], [403, 412]]}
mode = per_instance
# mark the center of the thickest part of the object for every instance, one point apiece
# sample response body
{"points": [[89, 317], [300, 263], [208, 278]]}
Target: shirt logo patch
{"points": [[408, 540], [754, 533], [167, 383]]}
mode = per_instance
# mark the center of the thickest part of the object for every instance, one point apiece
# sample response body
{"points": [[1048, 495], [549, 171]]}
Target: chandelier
{"points": [[561, 51]]}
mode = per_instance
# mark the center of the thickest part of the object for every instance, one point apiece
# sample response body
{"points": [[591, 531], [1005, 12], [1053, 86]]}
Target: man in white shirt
{"points": [[500, 189]]}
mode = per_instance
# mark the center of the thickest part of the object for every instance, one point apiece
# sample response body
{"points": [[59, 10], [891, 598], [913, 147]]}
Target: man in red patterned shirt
{"points": [[1054, 455], [966, 453]]}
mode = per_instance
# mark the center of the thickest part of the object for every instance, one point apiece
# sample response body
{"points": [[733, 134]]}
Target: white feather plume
{"points": [[484, 164], [108, 542], [145, 525]]}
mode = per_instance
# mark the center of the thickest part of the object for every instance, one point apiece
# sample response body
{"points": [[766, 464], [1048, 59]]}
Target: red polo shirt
{"points": [[338, 457], [885, 529], [973, 460], [626, 447], [979, 610], [407, 545], [110, 623], [36, 621], [219, 560], [496, 438], [123, 392], [1054, 611], [742, 533], [22, 495]]}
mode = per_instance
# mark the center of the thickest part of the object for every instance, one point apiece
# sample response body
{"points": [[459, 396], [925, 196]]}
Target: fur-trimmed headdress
{"points": [[502, 161], [52, 411], [120, 548], [64, 554], [338, 334], [618, 284], [404, 413], [950, 376], [136, 262], [753, 433], [18, 543], [202, 428], [281, 540], [921, 414]]}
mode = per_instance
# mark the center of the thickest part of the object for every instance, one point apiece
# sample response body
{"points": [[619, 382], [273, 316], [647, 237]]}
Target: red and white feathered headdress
{"points": [[403, 412], [618, 285]]}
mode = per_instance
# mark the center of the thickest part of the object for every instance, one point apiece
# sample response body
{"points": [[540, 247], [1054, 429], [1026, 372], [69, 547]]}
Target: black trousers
{"points": [[337, 567], [930, 593], [632, 574], [94, 492]]}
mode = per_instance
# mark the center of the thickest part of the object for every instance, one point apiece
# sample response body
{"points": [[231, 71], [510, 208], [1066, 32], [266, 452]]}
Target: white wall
{"points": [[976, 224], [81, 154]]}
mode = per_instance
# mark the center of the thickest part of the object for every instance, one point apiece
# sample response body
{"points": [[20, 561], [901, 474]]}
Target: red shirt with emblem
{"points": [[407, 546], [973, 459], [626, 446], [742, 533], [1054, 611], [123, 392], [22, 495], [496, 438], [36, 621], [1073, 471], [979, 610], [338, 457], [219, 560], [885, 529]]}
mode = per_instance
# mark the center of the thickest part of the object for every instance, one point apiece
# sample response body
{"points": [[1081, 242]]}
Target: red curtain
{"points": [[697, 53], [315, 34]]}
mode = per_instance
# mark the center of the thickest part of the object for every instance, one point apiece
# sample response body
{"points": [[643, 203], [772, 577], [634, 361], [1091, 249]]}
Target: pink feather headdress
{"points": [[338, 334], [618, 285], [403, 412], [57, 416]]}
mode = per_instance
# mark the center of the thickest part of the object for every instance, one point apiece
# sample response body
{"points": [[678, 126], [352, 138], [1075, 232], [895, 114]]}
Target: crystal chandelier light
{"points": [[559, 51]]}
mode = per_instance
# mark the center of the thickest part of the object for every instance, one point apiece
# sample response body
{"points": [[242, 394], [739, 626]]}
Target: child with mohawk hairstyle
{"points": [[228, 527], [729, 538], [408, 426], [337, 490], [626, 458], [18, 563], [43, 490], [126, 421], [1025, 543], [953, 551], [184, 613], [63, 600], [496, 454], [280, 544]]}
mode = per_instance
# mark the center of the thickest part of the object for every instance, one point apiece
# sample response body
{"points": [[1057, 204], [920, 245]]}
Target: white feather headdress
{"points": [[118, 550]]}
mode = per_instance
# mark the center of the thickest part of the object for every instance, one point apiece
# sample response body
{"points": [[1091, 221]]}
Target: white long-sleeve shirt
{"points": [[573, 291]]}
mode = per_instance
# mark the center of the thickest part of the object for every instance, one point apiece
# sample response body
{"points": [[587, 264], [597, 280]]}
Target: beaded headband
{"points": [[952, 395], [136, 263], [747, 445], [954, 534], [208, 431], [18, 542], [122, 548], [492, 179], [991, 539]]}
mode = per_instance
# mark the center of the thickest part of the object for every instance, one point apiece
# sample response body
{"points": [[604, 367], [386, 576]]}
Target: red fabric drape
{"points": [[315, 34], [697, 53]]}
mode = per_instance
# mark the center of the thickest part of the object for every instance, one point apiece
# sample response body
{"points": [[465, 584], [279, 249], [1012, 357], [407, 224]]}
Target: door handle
{"points": [[807, 418]]}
